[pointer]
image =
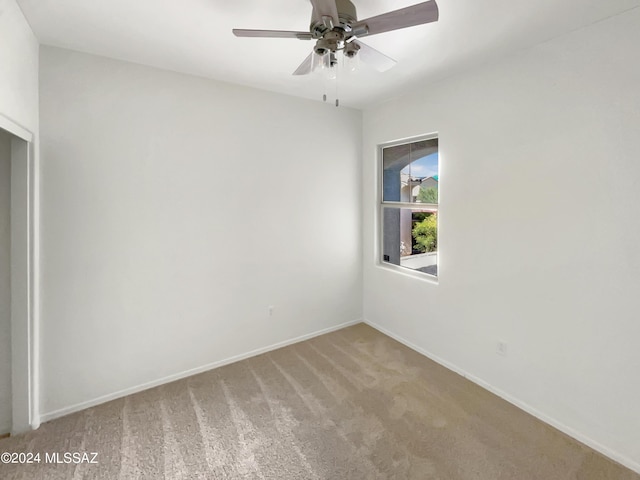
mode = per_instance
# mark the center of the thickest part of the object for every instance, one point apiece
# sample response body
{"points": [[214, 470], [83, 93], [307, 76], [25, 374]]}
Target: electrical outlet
{"points": [[271, 309], [501, 348]]}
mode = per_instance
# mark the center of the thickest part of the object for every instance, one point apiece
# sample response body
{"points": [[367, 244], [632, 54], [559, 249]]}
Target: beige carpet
{"points": [[349, 405]]}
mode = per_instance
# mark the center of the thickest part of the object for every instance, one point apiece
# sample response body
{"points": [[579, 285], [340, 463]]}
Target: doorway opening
{"points": [[18, 362], [5, 283]]}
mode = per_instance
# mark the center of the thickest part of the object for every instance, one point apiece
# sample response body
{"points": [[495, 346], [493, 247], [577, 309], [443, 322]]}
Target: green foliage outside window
{"points": [[428, 195], [425, 234]]}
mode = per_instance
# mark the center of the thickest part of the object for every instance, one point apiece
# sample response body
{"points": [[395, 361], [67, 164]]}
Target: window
{"points": [[409, 205]]}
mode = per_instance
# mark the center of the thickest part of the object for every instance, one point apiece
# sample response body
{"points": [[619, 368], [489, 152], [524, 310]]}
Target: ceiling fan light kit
{"points": [[335, 27]]}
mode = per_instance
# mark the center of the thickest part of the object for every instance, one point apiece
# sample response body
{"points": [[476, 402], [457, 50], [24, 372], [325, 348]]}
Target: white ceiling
{"points": [[194, 36]]}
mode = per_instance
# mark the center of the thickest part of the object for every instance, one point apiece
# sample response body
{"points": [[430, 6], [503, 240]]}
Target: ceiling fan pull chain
{"points": [[337, 82]]}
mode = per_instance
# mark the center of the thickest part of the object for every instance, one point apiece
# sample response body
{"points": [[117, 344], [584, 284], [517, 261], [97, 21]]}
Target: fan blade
{"points": [[271, 34], [373, 57], [419, 14], [326, 8], [306, 66]]}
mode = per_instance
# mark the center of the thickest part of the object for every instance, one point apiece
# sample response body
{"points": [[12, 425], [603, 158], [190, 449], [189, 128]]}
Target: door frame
{"points": [[24, 279]]}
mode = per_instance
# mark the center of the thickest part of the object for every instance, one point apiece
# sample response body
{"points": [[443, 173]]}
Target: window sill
{"points": [[407, 272]]}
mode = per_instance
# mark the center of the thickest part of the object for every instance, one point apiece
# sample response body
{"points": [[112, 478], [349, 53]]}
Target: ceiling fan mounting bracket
{"points": [[360, 30]]}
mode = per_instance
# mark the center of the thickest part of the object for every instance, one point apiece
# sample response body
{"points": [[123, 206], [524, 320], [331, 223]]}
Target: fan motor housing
{"points": [[346, 14]]}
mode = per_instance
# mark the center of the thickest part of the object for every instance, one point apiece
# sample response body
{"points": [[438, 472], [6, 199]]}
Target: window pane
{"points": [[410, 172], [426, 188], [410, 238], [395, 172]]}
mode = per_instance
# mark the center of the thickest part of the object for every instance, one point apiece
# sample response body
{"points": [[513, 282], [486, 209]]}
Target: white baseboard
{"points": [[45, 417], [621, 459]]}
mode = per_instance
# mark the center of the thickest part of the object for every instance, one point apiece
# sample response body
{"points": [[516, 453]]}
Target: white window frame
{"points": [[382, 205]]}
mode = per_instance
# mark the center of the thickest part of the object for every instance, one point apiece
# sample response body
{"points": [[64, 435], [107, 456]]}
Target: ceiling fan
{"points": [[335, 26]]}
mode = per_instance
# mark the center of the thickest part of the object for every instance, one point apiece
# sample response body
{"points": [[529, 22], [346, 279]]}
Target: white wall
{"points": [[5, 282], [175, 210], [19, 67], [539, 231]]}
